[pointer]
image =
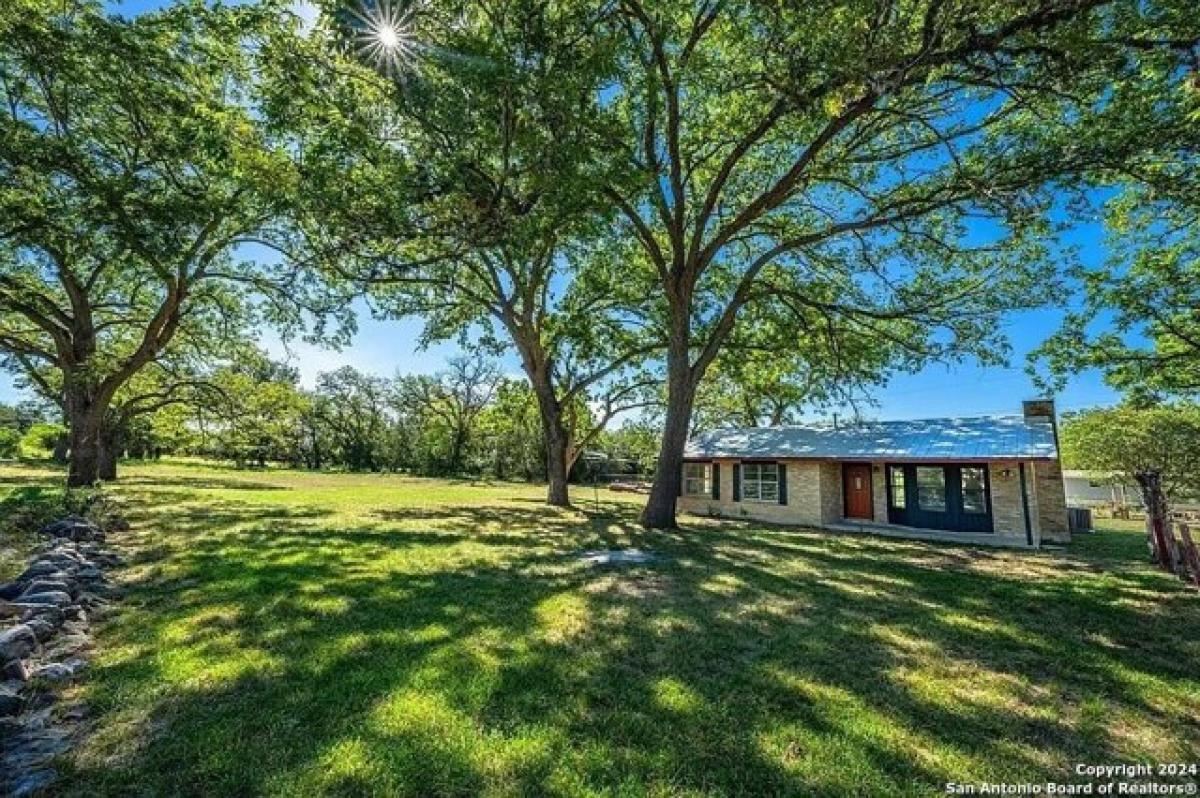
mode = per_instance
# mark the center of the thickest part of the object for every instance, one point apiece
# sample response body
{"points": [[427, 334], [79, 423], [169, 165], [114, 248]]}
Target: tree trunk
{"points": [[555, 433], [557, 470], [659, 512], [109, 452], [558, 441], [84, 467], [1162, 552], [62, 449]]}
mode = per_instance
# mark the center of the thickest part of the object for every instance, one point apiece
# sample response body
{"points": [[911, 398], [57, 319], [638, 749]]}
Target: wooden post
{"points": [[1190, 554]]}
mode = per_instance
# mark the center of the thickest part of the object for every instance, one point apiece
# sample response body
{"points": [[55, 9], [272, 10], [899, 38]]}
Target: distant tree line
{"points": [[467, 420]]}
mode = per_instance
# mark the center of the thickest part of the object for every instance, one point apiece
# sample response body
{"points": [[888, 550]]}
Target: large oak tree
{"points": [[478, 149], [878, 162], [132, 165]]}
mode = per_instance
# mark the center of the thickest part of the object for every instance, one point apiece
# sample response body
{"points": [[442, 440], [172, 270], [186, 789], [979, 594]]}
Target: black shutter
{"points": [[782, 483], [737, 482], [716, 480]]}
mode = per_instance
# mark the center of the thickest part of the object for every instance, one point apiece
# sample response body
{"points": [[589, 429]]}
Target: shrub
{"points": [[10, 443], [41, 439]]}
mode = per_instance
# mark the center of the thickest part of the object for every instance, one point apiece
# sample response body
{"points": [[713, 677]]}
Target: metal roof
{"points": [[981, 438]]}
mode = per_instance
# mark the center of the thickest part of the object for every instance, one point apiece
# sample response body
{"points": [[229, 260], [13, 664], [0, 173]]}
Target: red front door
{"points": [[856, 487]]}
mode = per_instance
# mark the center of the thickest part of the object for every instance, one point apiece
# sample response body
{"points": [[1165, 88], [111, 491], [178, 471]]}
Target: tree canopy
{"points": [[132, 164], [503, 167], [879, 165], [1129, 440]]}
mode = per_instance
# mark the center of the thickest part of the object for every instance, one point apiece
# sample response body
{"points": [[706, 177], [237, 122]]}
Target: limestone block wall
{"points": [[815, 498], [879, 491], [832, 503], [1008, 517], [1051, 496], [805, 487]]}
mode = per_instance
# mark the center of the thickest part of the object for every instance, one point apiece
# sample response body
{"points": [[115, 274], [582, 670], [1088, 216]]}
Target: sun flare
{"points": [[383, 35]]}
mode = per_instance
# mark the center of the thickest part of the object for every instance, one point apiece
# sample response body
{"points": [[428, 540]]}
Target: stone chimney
{"points": [[1042, 410], [1038, 408]]}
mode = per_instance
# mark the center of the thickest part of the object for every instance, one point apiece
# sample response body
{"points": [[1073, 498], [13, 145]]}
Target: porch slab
{"points": [[918, 533]]}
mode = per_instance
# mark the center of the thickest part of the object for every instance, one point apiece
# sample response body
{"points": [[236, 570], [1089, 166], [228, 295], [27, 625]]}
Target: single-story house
{"points": [[989, 479]]}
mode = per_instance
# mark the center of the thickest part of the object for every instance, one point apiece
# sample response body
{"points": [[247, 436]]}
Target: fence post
{"points": [[1190, 554]]}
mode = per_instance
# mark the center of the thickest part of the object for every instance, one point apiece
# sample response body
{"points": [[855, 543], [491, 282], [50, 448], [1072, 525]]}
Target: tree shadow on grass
{"points": [[476, 653], [170, 480]]}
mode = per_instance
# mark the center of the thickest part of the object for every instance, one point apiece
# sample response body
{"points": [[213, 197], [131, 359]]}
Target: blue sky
{"points": [[385, 347]]}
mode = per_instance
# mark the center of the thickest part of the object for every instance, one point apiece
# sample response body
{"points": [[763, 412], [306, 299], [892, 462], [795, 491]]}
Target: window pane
{"points": [[695, 479], [750, 490], [896, 476], [974, 490], [760, 482], [931, 488], [972, 478]]}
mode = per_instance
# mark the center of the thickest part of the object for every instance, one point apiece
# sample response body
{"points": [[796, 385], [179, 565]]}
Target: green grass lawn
{"points": [[296, 634]]}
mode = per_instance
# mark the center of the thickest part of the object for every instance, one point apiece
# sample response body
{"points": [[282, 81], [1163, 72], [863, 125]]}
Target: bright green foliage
{"points": [[781, 361], [41, 439], [633, 446], [1128, 439], [834, 157], [10, 442], [1135, 316], [482, 221], [131, 165], [513, 433], [1144, 301], [382, 635]]}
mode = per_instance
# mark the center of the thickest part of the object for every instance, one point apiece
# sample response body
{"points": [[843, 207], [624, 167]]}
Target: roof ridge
{"points": [[858, 424]]}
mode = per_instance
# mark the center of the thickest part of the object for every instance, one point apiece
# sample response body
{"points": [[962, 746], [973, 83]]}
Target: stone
{"points": [[10, 590], [74, 628], [75, 613], [33, 782], [43, 585], [41, 699], [36, 744], [55, 672], [11, 702], [39, 568], [62, 526], [46, 612], [67, 645], [8, 609], [89, 573], [53, 598], [17, 670], [617, 557], [74, 528], [17, 643], [43, 628]]}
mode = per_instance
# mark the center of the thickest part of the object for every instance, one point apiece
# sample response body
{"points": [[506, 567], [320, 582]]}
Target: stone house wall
{"points": [[814, 489]]}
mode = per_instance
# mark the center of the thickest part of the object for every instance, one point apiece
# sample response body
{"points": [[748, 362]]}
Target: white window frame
{"points": [[760, 482], [691, 479]]}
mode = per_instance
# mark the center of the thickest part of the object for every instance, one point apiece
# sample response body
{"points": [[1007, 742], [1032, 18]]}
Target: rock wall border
{"points": [[46, 617]]}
